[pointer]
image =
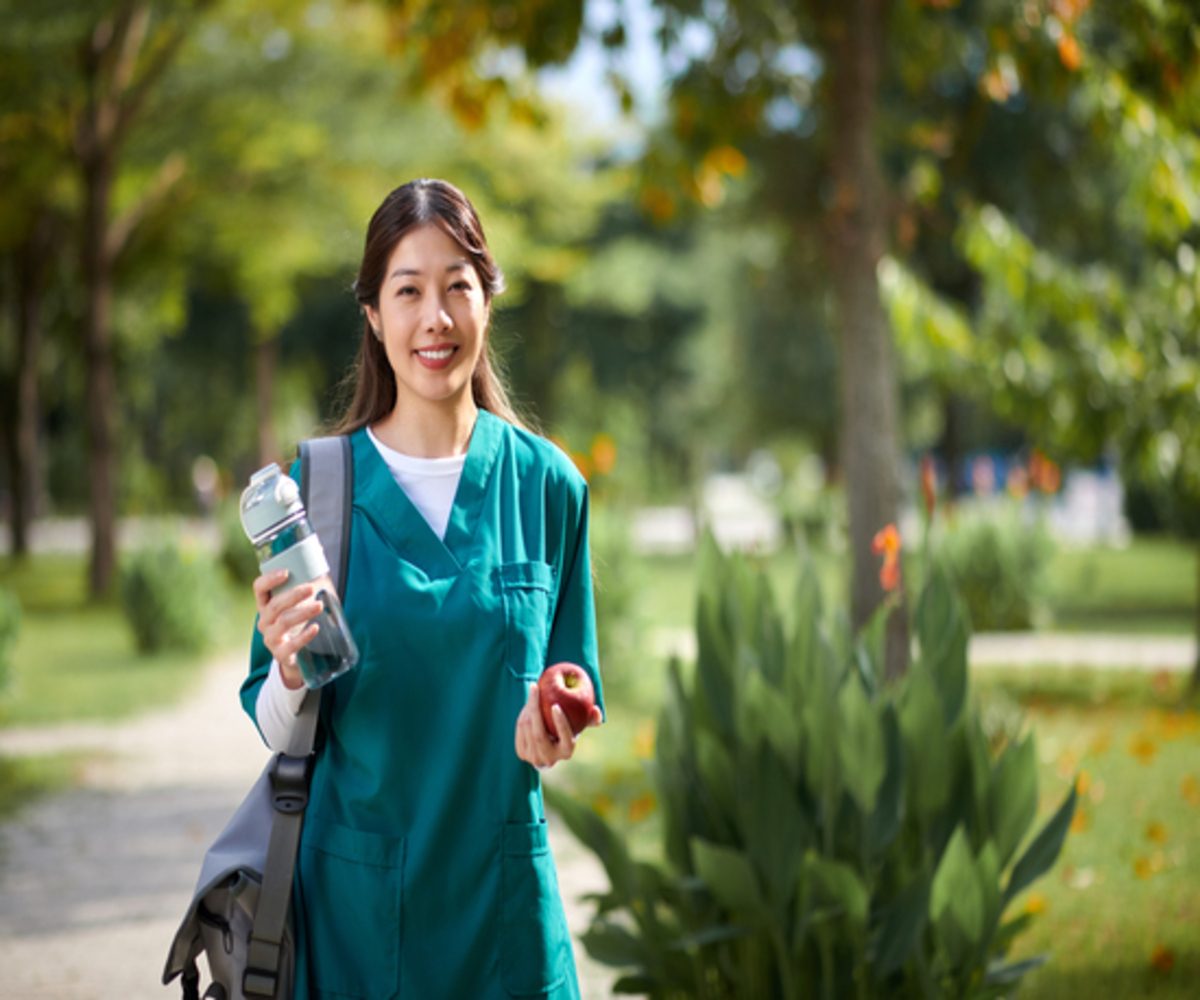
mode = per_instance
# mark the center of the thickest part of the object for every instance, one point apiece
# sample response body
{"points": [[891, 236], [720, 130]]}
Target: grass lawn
{"points": [[1149, 586], [76, 660], [1118, 914]]}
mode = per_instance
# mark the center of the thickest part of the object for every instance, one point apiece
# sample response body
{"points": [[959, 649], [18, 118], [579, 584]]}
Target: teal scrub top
{"points": [[424, 869]]}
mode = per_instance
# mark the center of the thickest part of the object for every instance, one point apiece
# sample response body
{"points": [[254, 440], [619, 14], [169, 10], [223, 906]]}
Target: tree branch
{"points": [[123, 227], [136, 93]]}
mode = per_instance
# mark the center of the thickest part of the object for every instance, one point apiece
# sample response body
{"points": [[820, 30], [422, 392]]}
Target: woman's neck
{"points": [[428, 431]]}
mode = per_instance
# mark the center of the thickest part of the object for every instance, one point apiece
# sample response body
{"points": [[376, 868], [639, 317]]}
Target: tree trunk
{"points": [[266, 356], [26, 466], [1195, 685], [854, 228], [100, 385]]}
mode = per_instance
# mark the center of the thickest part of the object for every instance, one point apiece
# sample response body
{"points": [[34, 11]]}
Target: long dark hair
{"points": [[371, 384]]}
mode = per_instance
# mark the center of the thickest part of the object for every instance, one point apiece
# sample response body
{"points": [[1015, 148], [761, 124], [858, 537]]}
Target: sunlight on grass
{"points": [[1119, 910], [77, 661]]}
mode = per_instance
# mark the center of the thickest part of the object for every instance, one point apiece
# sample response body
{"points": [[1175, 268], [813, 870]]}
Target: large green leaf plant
{"points": [[824, 834]]}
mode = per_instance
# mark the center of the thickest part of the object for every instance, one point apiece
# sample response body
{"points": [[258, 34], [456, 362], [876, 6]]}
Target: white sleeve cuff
{"points": [[277, 708]]}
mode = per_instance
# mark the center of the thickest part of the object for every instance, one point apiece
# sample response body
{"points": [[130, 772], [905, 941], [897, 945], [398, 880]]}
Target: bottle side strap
{"points": [[304, 561]]}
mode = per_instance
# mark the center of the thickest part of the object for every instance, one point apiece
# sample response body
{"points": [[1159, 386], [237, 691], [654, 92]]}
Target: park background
{"points": [[771, 269]]}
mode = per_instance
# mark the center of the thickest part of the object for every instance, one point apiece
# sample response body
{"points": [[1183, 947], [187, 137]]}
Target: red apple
{"points": [[568, 686]]}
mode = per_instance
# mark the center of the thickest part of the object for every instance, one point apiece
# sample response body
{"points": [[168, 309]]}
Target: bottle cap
{"points": [[271, 499]]}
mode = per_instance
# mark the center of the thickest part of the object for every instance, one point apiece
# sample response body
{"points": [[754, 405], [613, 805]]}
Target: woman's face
{"points": [[432, 317]]}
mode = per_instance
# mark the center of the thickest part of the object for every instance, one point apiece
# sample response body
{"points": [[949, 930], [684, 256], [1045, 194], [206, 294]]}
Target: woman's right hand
{"points": [[285, 621]]}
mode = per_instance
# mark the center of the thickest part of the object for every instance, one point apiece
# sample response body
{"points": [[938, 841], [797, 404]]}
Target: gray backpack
{"points": [[240, 913]]}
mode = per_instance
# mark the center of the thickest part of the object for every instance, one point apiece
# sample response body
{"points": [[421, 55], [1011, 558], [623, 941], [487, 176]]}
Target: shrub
{"points": [[823, 834], [997, 560], [10, 625], [171, 598], [237, 554], [617, 584]]}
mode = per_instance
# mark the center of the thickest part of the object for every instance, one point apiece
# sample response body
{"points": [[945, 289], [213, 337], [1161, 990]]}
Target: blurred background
{"points": [[785, 273]]}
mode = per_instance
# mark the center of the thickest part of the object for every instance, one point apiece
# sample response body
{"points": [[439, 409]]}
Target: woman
{"points": [[424, 868]]}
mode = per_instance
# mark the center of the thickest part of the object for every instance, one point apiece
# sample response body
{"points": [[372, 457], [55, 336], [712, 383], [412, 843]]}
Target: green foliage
{"points": [[824, 833], [617, 586], [171, 598], [998, 560], [10, 625], [237, 555]]}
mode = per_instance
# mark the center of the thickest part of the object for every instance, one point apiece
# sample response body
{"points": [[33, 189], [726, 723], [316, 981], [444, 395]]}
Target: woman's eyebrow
{"points": [[404, 272]]}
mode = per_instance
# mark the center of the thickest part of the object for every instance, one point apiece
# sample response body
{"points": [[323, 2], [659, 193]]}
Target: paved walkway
{"points": [[93, 882]]}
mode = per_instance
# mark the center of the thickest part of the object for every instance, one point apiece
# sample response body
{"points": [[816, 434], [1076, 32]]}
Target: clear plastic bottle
{"points": [[275, 521]]}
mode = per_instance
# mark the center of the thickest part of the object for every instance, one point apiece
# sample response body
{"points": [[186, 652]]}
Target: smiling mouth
{"points": [[436, 358]]}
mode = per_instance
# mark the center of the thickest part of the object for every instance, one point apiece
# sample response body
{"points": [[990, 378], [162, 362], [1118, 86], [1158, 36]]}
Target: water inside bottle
{"points": [[332, 651]]}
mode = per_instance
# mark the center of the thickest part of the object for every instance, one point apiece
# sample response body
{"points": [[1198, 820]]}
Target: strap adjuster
{"points": [[289, 783]]}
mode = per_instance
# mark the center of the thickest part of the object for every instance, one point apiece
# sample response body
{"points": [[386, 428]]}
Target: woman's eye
{"points": [[407, 290], [461, 286]]}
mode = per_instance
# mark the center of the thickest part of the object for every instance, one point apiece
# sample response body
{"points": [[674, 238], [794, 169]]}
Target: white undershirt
{"points": [[430, 483]]}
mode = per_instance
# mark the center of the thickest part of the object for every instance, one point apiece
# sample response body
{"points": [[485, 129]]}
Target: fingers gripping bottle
{"points": [[277, 524]]}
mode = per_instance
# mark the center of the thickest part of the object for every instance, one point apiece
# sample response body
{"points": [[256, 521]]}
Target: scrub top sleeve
{"points": [[260, 656], [260, 667], [573, 631]]}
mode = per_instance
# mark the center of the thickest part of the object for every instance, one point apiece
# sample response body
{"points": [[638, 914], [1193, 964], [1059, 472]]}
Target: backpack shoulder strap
{"points": [[326, 484]]}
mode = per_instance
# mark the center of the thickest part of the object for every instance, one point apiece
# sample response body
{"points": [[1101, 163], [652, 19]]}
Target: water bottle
{"points": [[274, 519]]}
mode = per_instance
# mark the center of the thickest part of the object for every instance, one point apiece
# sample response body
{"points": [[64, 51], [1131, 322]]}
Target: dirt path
{"points": [[93, 882]]}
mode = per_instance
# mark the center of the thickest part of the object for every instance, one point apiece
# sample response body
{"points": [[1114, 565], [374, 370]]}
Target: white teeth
{"points": [[440, 355]]}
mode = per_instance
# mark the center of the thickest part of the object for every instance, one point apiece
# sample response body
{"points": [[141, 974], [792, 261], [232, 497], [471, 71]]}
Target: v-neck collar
{"points": [[377, 491]]}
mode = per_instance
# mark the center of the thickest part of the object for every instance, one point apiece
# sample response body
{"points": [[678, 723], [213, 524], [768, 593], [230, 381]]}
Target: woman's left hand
{"points": [[536, 746]]}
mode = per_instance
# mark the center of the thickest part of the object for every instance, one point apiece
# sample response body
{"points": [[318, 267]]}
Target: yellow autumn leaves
{"points": [[641, 805], [598, 459]]}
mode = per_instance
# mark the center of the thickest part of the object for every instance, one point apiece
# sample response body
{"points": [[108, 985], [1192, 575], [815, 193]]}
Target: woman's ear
{"points": [[373, 318]]}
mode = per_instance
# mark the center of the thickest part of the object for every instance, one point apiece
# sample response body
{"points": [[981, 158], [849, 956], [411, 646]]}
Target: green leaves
{"points": [[820, 831], [925, 745], [730, 877], [956, 903], [860, 744], [1012, 798], [1044, 850], [942, 633], [837, 885]]}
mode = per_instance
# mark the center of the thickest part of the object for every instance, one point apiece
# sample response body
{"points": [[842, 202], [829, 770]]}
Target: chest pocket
{"points": [[527, 589]]}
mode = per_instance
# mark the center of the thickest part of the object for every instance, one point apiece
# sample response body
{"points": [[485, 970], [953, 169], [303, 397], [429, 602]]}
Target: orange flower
{"points": [[641, 807], [1162, 958], [1069, 52], [1044, 473], [1189, 788], [604, 454], [1143, 748], [659, 204], [583, 463], [1081, 820], [1144, 867], [929, 484], [887, 544], [1156, 832], [1083, 782], [602, 804], [1035, 904]]}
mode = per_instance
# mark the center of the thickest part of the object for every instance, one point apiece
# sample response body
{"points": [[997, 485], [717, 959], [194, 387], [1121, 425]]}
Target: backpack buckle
{"points": [[289, 783]]}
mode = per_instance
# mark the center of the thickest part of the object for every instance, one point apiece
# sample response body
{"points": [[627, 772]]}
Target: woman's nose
{"points": [[437, 317]]}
